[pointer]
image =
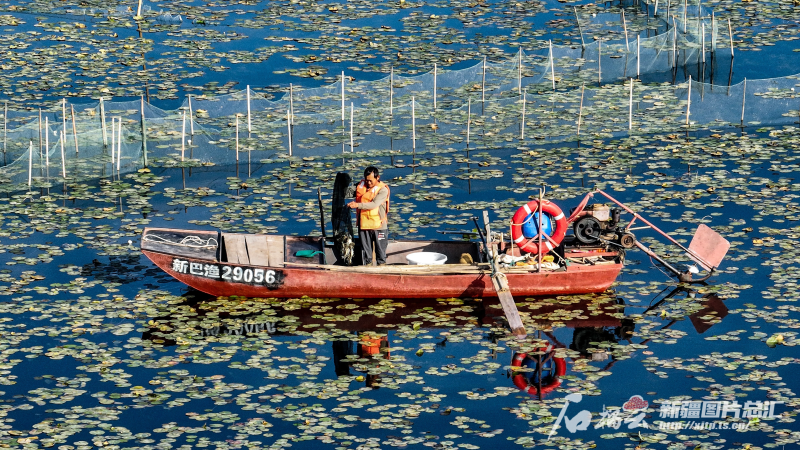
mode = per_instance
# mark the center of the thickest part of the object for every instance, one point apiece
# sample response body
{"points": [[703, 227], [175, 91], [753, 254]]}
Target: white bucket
{"points": [[426, 258]]}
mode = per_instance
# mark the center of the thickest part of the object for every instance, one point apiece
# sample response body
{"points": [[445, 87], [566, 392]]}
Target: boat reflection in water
{"points": [[360, 330], [540, 372]]}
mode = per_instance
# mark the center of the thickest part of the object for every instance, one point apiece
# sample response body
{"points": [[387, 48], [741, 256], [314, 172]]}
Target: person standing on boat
{"points": [[372, 203]]}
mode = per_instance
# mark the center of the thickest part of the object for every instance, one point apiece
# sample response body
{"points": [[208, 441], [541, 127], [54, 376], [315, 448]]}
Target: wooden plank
{"points": [[500, 284], [257, 249], [399, 269], [275, 250], [235, 248], [509, 306]]}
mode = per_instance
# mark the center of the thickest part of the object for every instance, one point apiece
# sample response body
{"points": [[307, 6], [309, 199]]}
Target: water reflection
{"points": [[361, 333]]}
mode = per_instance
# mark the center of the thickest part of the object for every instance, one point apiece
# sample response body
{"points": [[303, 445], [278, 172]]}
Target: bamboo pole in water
{"points": [[630, 108], [343, 98], [74, 128], [552, 65], [744, 93], [469, 117], [191, 116], [289, 129], [522, 129], [688, 101], [519, 72], [434, 87], [30, 164], [583, 44], [625, 29], [638, 57], [413, 128], [46, 142], [102, 121], [483, 82], [183, 136], [40, 124], [144, 129], [237, 141], [291, 102], [113, 139], [599, 59], [703, 41], [391, 91], [730, 33], [119, 143], [580, 110], [351, 127], [5, 129], [249, 126], [63, 137]]}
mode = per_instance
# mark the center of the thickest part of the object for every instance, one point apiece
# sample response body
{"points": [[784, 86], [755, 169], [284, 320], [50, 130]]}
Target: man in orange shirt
{"points": [[372, 203]]}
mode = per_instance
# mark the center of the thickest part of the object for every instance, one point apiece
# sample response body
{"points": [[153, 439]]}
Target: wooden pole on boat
{"points": [[63, 136], [500, 284], [74, 128], [580, 110], [321, 217], [541, 231]]}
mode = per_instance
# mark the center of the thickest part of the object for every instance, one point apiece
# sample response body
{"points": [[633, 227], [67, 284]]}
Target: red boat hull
{"points": [[292, 282]]}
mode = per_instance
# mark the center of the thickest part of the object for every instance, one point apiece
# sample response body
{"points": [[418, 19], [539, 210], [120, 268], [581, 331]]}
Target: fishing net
{"points": [[550, 94]]}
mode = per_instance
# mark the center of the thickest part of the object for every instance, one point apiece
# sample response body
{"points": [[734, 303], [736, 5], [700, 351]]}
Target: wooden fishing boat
{"points": [[258, 265]]}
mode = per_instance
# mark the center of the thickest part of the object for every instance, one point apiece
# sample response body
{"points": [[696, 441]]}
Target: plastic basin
{"points": [[426, 258]]}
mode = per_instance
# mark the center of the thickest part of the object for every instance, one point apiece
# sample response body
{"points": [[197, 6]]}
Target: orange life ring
{"points": [[559, 369], [531, 245]]}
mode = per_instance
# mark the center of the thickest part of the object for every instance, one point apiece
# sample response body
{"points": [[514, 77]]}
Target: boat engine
{"points": [[598, 222]]}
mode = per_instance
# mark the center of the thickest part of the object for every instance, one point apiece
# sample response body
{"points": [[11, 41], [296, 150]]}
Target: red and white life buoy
{"points": [[531, 245], [557, 369]]}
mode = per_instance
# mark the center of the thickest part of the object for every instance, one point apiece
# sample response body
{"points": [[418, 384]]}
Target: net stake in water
{"points": [[413, 128], [289, 129], [730, 34], [119, 142], [583, 43], [249, 126], [63, 137], [552, 66], [351, 127], [102, 120], [744, 93], [630, 108], [469, 117], [144, 128], [580, 109], [74, 128], [434, 87], [688, 101], [625, 29]]}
